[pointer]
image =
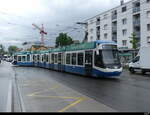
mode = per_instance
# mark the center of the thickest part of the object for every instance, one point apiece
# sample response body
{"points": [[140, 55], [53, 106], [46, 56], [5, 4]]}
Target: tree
{"points": [[12, 49], [133, 41], [63, 39], [2, 49]]}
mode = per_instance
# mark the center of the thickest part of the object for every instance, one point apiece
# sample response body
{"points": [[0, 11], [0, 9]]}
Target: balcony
{"points": [[98, 32], [136, 22], [136, 9], [114, 29], [114, 17], [114, 39], [138, 34], [97, 22]]}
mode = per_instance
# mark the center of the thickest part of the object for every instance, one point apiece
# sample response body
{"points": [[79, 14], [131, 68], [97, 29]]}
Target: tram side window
{"points": [[38, 58], [42, 58], [74, 59], [80, 59], [56, 58], [52, 59], [47, 58], [28, 58], [68, 59], [15, 58], [59, 58], [19, 58], [98, 59], [23, 58]]}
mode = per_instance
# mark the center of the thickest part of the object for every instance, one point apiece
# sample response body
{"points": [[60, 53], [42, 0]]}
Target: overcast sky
{"points": [[17, 16]]}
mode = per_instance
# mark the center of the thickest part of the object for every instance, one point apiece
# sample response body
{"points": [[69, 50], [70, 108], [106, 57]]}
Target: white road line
{"points": [[9, 98]]}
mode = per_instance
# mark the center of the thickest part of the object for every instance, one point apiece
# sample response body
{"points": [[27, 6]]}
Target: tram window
{"points": [[52, 58], [49, 58], [98, 59], [56, 57], [74, 55], [59, 58], [42, 58], [68, 59], [38, 58], [33, 57], [15, 57], [80, 58], [46, 58], [23, 58], [19, 58], [28, 58]]}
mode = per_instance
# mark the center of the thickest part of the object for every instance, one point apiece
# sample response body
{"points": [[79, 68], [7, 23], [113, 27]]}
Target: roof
{"points": [[73, 47]]}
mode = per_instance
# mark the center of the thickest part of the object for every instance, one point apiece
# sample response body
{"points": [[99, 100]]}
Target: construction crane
{"points": [[42, 32]]}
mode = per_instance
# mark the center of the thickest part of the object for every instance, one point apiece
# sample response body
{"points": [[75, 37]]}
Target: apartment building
{"points": [[120, 22]]}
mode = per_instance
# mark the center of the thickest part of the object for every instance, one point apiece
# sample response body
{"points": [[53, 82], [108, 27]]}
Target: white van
{"points": [[141, 62]]}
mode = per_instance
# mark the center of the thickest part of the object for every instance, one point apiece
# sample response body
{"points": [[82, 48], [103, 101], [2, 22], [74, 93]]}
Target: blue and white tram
{"points": [[96, 59]]}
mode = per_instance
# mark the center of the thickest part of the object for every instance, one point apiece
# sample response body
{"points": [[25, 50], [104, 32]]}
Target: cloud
{"points": [[16, 18]]}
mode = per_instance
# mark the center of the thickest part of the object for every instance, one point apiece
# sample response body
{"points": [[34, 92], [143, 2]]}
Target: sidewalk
{"points": [[6, 75]]}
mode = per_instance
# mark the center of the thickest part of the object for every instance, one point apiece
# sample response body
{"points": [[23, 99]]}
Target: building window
{"points": [[148, 39], [124, 21], [105, 35], [148, 27], [124, 32], [148, 14], [124, 9], [98, 21], [105, 26], [124, 42]]}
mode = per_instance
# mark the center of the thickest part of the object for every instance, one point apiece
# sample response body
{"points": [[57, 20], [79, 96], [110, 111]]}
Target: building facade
{"points": [[119, 23]]}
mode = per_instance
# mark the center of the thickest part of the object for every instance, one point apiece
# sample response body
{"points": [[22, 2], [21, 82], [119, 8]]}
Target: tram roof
{"points": [[22, 53], [73, 47]]}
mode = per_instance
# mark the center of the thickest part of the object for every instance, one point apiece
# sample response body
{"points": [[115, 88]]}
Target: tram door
{"points": [[88, 62]]}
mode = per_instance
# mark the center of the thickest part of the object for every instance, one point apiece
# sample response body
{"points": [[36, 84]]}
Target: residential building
{"points": [[120, 22]]}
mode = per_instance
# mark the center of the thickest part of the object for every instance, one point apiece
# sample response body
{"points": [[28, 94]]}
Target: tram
{"points": [[96, 59]]}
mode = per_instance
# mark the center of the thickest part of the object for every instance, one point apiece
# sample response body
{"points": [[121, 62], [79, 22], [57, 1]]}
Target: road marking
{"points": [[77, 99], [38, 92], [72, 105]]}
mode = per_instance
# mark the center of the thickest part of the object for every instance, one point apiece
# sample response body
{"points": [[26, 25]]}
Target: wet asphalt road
{"points": [[5, 82], [128, 93]]}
